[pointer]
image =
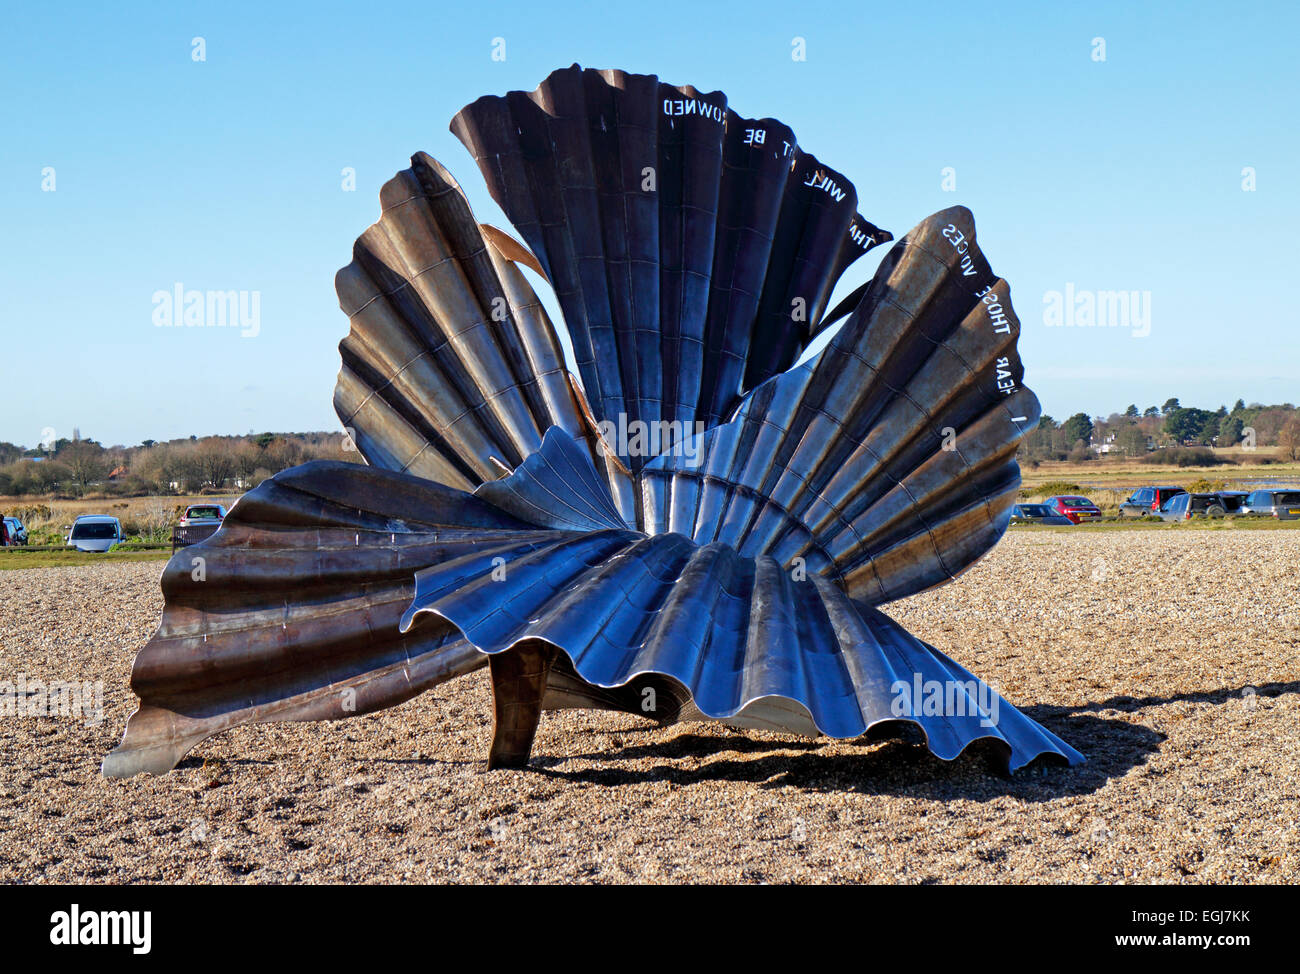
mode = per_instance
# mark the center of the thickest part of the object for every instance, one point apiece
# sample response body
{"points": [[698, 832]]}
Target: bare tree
{"points": [[1132, 441], [281, 454], [86, 462], [1288, 439], [215, 460], [247, 459], [180, 468]]}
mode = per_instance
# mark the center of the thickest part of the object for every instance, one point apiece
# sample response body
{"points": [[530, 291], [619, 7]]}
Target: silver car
{"points": [[1037, 514], [1281, 504], [1185, 506], [96, 532], [203, 514]]}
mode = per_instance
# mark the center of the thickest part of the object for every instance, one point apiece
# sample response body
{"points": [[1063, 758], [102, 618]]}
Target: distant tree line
{"points": [[80, 466], [1135, 432], [214, 464]]}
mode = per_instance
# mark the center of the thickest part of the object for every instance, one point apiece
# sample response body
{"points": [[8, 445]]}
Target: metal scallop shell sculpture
{"points": [[695, 527]]}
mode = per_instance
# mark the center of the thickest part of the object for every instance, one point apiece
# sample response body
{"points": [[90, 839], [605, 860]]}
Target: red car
{"points": [[1076, 508]]}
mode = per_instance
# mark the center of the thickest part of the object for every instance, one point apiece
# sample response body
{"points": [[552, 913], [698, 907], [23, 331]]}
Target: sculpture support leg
{"points": [[518, 685]]}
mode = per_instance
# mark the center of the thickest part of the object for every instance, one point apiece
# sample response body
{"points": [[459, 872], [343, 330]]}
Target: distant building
{"points": [[1111, 444], [1106, 446]]}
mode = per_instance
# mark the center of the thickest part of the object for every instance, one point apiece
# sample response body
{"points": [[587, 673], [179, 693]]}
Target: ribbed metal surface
{"points": [[750, 646], [888, 461], [749, 641], [556, 487], [678, 235], [291, 610], [733, 577], [452, 370]]}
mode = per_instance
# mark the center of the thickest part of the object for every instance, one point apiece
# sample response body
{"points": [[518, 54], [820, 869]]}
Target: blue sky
{"points": [[1115, 175]]}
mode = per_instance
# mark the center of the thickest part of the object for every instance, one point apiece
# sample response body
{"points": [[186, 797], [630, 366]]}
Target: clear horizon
{"points": [[1151, 189]]}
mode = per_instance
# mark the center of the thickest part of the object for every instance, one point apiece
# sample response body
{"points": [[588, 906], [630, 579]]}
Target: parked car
{"points": [[1074, 507], [1281, 504], [17, 533], [1185, 506], [1232, 500], [95, 532], [1147, 500], [1036, 514], [202, 514]]}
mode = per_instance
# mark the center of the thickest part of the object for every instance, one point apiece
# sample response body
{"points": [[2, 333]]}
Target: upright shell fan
{"points": [[694, 530]]}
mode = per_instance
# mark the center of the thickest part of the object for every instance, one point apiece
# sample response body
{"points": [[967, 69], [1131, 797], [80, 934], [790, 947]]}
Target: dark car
{"points": [[1232, 500], [17, 533], [1281, 504], [1148, 500], [1185, 506], [1073, 507], [1036, 514]]}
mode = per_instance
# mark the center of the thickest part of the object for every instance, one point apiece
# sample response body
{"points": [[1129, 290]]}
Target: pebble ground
{"points": [[1172, 660]]}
